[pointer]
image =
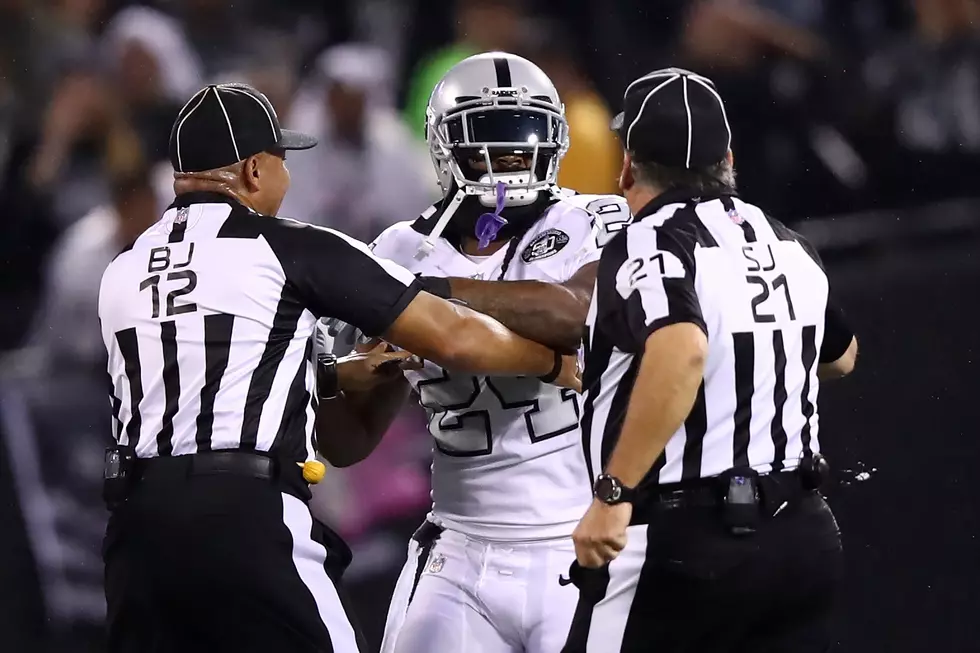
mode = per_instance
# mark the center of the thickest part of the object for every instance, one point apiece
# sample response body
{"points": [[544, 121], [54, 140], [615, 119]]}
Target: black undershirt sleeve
{"points": [[338, 276], [837, 334]]}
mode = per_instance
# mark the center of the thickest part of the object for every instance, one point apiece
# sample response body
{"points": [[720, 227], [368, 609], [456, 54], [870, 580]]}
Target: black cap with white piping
{"points": [[675, 118], [227, 123]]}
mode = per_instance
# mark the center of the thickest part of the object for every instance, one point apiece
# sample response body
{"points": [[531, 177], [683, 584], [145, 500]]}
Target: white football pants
{"points": [[477, 596]]}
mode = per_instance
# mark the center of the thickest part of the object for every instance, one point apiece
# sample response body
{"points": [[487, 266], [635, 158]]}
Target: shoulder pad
{"points": [[608, 214], [428, 219], [397, 241]]}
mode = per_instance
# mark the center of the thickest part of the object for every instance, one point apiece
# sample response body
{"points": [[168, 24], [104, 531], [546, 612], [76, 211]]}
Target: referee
{"points": [[207, 319], [709, 330]]}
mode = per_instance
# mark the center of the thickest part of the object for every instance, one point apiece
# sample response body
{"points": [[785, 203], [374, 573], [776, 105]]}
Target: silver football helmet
{"points": [[486, 106]]}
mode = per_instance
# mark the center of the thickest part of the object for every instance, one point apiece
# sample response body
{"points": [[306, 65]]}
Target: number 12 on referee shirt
{"points": [[177, 281]]}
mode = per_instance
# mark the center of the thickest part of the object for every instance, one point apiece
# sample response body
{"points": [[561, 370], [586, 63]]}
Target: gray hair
{"points": [[716, 177]]}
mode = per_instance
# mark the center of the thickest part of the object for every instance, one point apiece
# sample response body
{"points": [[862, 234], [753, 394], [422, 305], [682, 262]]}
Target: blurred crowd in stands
{"points": [[837, 106]]}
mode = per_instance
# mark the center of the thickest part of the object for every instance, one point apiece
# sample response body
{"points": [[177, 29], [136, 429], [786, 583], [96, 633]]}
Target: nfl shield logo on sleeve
{"points": [[437, 563], [546, 244]]}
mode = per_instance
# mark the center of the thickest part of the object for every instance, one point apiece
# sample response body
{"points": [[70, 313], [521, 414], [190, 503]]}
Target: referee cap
{"points": [[675, 118], [227, 123]]}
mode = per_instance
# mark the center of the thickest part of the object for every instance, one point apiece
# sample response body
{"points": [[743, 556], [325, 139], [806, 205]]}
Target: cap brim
{"points": [[292, 140], [617, 122]]}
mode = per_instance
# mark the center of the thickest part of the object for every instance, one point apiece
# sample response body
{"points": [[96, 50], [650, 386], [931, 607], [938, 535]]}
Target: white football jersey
{"points": [[507, 461]]}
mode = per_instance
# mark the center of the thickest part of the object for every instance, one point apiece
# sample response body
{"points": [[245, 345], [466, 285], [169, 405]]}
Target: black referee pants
{"points": [[222, 563], [684, 583]]}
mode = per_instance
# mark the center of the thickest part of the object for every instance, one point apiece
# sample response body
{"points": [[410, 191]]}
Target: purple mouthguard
{"points": [[490, 224]]}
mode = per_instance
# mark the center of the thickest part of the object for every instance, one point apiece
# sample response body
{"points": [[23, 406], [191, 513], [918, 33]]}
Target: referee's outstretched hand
{"points": [[601, 534], [365, 370]]}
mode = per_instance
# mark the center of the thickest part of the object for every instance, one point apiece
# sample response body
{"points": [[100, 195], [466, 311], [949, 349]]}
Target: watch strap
{"points": [[327, 380]]}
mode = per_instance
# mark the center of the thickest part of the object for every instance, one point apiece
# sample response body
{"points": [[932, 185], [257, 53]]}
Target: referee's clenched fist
{"points": [[207, 319], [601, 534]]}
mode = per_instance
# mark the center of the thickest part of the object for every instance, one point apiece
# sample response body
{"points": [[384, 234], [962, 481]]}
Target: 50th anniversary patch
{"points": [[546, 244]]}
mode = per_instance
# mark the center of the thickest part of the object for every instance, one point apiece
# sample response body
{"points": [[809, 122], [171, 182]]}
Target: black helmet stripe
{"points": [[502, 68]]}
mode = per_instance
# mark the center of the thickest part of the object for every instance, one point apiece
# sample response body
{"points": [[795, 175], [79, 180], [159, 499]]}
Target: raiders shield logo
{"points": [[546, 244]]}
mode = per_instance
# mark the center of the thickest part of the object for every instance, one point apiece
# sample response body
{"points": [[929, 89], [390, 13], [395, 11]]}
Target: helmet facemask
{"points": [[503, 122]]}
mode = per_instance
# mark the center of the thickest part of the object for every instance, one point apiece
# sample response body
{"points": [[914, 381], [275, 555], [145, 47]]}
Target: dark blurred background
{"points": [[855, 121]]}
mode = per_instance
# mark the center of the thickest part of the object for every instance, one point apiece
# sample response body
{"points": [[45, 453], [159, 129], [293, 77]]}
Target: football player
{"points": [[509, 482]]}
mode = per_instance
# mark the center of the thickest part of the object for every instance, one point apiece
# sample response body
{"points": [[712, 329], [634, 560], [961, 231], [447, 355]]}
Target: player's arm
{"points": [[339, 277], [666, 328], [549, 313]]}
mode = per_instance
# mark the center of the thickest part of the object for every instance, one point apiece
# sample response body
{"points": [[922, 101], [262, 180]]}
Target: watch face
{"points": [[606, 489], [616, 493]]}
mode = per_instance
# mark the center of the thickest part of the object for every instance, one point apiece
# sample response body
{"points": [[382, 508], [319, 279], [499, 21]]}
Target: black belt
{"points": [[427, 533], [283, 473], [774, 490], [236, 463], [426, 536]]}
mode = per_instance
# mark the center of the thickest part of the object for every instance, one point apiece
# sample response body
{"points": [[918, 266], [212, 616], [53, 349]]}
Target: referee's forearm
{"points": [[351, 426], [548, 313], [463, 340], [379, 408], [481, 345], [663, 395]]}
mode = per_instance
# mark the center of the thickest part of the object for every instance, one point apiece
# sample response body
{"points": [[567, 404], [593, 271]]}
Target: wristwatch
{"points": [[611, 491], [327, 381]]}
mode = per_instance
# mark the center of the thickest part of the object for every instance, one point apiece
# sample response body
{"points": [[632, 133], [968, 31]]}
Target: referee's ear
{"points": [[626, 179], [251, 171]]}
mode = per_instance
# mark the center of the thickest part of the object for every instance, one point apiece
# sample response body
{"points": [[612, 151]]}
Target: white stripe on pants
{"points": [[398, 608], [609, 616], [308, 557]]}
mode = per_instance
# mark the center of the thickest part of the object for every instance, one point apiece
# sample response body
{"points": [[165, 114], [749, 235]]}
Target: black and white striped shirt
{"points": [[758, 291], [207, 320]]}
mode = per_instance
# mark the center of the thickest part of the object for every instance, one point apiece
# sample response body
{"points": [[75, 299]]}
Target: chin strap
{"points": [[488, 225], [429, 242]]}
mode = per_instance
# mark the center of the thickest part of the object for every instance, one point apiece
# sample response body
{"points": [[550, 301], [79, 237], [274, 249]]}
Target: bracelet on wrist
{"points": [[555, 371]]}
